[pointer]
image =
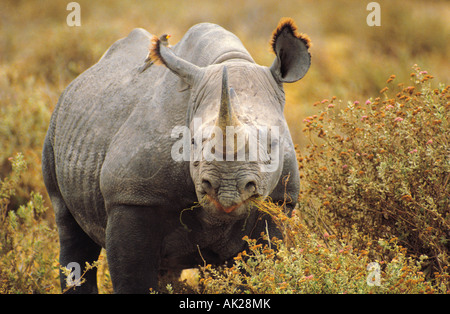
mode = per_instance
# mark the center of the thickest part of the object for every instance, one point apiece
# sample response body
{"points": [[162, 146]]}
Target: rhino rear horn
{"points": [[160, 54]]}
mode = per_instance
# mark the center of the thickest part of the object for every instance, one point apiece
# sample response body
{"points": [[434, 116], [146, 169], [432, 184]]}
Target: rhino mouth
{"points": [[236, 211], [228, 209]]}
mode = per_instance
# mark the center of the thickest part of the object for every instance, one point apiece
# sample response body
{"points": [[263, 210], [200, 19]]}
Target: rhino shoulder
{"points": [[136, 42]]}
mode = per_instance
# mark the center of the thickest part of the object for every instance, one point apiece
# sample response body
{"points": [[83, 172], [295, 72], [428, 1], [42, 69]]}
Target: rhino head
{"points": [[237, 130]]}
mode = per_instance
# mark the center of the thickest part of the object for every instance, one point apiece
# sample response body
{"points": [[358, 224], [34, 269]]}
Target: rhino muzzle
{"points": [[229, 195]]}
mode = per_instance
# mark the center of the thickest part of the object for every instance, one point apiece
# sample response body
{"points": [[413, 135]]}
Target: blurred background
{"points": [[40, 54]]}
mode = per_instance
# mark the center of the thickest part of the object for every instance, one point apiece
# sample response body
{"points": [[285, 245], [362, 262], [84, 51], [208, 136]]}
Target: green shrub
{"points": [[28, 244], [382, 167]]}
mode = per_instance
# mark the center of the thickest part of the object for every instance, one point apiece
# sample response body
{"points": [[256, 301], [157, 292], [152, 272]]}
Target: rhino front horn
{"points": [[227, 116]]}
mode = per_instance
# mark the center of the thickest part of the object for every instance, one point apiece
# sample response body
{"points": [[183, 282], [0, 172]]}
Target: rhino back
{"points": [[206, 43], [90, 111]]}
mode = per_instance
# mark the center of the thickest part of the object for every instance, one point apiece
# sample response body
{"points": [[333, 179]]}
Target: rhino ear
{"points": [[161, 54], [291, 49]]}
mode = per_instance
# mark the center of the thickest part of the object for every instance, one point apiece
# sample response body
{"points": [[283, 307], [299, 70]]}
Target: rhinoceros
{"points": [[123, 164]]}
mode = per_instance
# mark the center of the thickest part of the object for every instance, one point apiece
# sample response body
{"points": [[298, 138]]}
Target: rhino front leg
{"points": [[133, 245]]}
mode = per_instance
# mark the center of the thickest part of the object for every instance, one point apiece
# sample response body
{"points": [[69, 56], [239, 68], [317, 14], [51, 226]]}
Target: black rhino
{"points": [[121, 176]]}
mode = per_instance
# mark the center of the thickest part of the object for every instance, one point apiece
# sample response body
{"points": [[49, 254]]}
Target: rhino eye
{"points": [[192, 141]]}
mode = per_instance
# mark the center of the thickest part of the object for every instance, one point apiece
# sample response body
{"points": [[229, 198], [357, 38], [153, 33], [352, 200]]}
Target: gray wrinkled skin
{"points": [[108, 168]]}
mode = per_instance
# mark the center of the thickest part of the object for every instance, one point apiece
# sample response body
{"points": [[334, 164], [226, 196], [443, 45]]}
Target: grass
{"points": [[374, 165]]}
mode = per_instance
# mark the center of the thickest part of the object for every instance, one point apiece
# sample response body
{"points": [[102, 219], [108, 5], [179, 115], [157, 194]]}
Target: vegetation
{"points": [[28, 244], [307, 262], [374, 172], [383, 167]]}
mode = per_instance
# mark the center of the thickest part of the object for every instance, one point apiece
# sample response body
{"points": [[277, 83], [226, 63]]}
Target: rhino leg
{"points": [[75, 246], [133, 246]]}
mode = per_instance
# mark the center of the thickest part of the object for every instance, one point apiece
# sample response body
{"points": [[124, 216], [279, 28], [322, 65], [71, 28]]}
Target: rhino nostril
{"points": [[250, 187], [206, 185]]}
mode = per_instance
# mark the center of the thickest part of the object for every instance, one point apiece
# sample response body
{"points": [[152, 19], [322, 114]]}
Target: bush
{"points": [[24, 119], [28, 244], [306, 262], [381, 168]]}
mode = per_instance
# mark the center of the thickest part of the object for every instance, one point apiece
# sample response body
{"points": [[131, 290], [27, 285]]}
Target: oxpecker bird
{"points": [[164, 39]]}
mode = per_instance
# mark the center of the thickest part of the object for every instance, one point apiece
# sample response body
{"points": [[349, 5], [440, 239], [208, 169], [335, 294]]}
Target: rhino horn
{"points": [[227, 117]]}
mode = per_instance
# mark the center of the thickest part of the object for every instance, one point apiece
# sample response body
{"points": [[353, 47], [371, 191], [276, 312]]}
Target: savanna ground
{"points": [[372, 130]]}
